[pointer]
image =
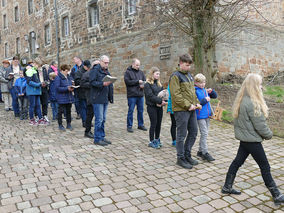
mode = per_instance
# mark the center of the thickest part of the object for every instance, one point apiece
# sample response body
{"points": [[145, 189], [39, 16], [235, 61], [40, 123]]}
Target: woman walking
{"points": [[250, 112]]}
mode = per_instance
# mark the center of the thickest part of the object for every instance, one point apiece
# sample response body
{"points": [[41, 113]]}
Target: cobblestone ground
{"points": [[44, 170]]}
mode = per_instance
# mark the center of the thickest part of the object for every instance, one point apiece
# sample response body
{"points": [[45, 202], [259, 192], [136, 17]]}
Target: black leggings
{"points": [[155, 115], [258, 154], [173, 127]]}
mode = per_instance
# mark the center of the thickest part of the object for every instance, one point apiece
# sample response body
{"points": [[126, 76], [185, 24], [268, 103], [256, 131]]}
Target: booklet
{"points": [[109, 78], [11, 73], [75, 86]]}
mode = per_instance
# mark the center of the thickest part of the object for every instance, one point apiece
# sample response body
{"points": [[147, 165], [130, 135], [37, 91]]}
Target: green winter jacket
{"points": [[248, 127], [182, 91]]}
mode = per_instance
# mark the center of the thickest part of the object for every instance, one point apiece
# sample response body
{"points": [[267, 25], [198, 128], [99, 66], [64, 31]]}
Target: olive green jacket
{"points": [[249, 127], [182, 91]]}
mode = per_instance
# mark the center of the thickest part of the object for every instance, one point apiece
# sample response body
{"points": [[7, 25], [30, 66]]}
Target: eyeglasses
{"points": [[106, 62]]}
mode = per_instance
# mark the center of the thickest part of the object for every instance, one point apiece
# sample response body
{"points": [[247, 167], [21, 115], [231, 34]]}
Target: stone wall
{"points": [[123, 37]]}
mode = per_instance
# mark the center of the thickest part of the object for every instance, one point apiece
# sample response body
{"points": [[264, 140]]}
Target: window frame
{"points": [[17, 13], [18, 45], [5, 21], [66, 17], [93, 19], [30, 7], [6, 50], [47, 36], [130, 6]]}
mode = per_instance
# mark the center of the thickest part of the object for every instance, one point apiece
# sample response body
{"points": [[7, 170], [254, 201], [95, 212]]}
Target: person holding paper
{"points": [[100, 94], [134, 79]]}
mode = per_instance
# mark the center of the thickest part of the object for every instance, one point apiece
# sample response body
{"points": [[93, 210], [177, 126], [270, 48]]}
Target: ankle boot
{"points": [[278, 198], [227, 188]]}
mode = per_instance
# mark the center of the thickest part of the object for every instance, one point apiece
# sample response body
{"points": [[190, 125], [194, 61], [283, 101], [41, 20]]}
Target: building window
{"points": [[132, 9], [16, 14], [93, 14], [4, 2], [5, 23], [45, 2], [47, 34], [30, 7], [6, 49], [65, 26], [18, 45]]}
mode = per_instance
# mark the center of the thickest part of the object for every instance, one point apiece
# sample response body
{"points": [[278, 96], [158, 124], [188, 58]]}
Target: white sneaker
{"points": [[46, 118]]}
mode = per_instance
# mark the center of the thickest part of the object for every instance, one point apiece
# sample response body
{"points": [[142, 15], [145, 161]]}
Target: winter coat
{"points": [[46, 80], [77, 79], [61, 83], [151, 93], [4, 80], [248, 127], [131, 79], [85, 86], [75, 69], [182, 91], [100, 94], [206, 111], [52, 91], [20, 86], [33, 82]]}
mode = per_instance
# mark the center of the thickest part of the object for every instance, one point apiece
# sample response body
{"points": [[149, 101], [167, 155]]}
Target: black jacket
{"points": [[151, 91], [100, 94], [78, 75], [85, 86], [131, 79]]}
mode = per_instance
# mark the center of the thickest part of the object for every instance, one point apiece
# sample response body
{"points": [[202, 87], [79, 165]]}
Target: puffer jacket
{"points": [[249, 127], [151, 91], [63, 95], [206, 111], [182, 91], [3, 80], [33, 82]]}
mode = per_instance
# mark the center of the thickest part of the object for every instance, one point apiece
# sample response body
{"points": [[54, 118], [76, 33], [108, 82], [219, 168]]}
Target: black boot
{"points": [[278, 198], [183, 163], [227, 188]]}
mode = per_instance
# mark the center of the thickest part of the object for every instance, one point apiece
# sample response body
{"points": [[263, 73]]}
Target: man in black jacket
{"points": [[134, 79]]}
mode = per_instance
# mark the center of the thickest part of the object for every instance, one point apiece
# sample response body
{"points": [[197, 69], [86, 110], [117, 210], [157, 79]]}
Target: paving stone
{"points": [[92, 190], [102, 202], [137, 193], [202, 199], [70, 209]]}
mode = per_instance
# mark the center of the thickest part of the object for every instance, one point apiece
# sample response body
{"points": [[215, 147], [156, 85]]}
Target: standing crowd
{"points": [[28, 91]]}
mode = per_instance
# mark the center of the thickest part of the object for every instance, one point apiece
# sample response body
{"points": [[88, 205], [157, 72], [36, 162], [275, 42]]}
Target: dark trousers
{"points": [[67, 109], [23, 105], [15, 103], [155, 115], [258, 154], [90, 115], [44, 102], [186, 132], [76, 102], [173, 127]]}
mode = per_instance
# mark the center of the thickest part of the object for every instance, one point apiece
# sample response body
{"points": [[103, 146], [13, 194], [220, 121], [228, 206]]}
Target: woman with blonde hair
{"points": [[250, 112], [154, 104]]}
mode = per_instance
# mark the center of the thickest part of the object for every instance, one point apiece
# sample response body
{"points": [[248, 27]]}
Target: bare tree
{"points": [[208, 22]]}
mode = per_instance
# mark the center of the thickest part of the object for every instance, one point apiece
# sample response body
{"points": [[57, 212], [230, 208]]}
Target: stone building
{"points": [[120, 29]]}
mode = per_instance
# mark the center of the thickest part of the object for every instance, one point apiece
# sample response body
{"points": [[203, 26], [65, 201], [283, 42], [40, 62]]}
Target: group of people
{"points": [[187, 101]]}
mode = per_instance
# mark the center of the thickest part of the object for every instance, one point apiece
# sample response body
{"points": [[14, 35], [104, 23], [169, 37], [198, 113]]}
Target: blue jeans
{"points": [[76, 102], [139, 101], [83, 109], [15, 103], [34, 106], [54, 107], [100, 111]]}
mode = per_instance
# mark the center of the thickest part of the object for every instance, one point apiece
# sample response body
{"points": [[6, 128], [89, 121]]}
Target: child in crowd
{"points": [[52, 96], [64, 96], [151, 89], [204, 96], [173, 121], [33, 91], [20, 86]]}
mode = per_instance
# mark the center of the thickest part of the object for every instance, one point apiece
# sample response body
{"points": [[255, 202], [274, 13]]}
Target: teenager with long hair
{"points": [[250, 112]]}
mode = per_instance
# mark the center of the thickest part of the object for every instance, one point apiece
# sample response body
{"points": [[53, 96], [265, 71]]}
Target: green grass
{"points": [[275, 91], [227, 116]]}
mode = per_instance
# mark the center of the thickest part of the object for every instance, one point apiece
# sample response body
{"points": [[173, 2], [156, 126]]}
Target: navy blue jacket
{"points": [[52, 91], [63, 95], [100, 94]]}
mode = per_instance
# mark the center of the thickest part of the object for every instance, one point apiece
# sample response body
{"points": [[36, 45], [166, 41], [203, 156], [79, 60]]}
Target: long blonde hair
{"points": [[150, 77], [252, 88]]}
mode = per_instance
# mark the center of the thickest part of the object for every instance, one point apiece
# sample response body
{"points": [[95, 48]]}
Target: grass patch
{"points": [[275, 91], [227, 116]]}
